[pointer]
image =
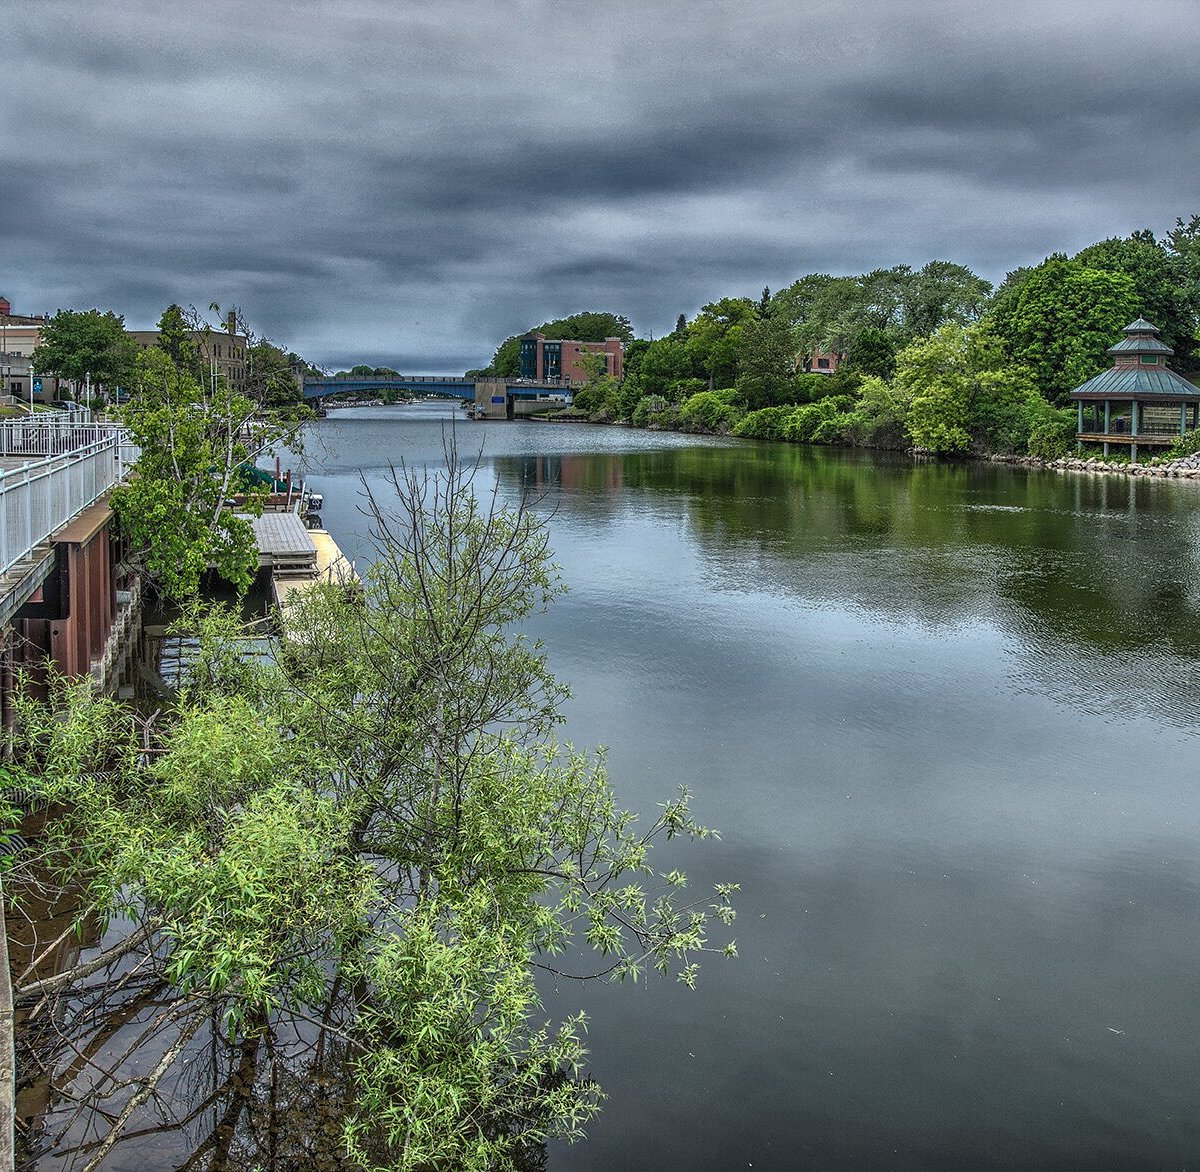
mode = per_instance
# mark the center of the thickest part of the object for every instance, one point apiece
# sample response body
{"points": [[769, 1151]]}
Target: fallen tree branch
{"points": [[60, 980]]}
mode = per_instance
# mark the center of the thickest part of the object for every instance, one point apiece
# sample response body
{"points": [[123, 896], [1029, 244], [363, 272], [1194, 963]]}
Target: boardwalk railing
{"points": [[39, 436], [67, 468]]}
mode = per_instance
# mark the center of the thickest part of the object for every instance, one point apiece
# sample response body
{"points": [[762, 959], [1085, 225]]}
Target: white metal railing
{"points": [[43, 435], [41, 496], [40, 411]]}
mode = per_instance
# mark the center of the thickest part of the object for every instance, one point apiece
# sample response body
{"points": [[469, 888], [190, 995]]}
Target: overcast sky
{"points": [[408, 182]]}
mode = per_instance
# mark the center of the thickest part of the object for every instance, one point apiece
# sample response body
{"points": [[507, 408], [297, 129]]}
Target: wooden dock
{"points": [[299, 558], [284, 545]]}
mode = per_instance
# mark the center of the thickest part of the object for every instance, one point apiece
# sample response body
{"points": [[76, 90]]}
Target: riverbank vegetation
{"points": [[930, 358]]}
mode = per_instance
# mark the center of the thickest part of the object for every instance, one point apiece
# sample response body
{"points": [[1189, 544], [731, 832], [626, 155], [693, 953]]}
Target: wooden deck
{"points": [[332, 566], [284, 546]]}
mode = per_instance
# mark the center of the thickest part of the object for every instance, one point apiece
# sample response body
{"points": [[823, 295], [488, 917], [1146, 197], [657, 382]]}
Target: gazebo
{"points": [[1139, 402]]}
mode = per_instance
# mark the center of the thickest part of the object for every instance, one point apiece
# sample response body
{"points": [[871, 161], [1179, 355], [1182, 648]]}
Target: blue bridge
{"points": [[318, 388], [428, 384], [497, 398]]}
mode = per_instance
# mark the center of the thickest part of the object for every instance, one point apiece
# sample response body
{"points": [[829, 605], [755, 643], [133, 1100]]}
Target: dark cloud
{"points": [[411, 183]]}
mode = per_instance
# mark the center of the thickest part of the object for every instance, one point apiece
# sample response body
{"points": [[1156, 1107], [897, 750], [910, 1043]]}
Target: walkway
{"points": [[50, 471]]}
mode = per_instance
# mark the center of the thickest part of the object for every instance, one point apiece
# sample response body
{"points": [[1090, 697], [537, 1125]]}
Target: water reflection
{"points": [[1092, 580]]}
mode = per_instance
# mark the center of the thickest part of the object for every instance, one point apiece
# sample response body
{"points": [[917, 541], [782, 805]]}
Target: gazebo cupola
{"points": [[1139, 401], [1139, 347]]}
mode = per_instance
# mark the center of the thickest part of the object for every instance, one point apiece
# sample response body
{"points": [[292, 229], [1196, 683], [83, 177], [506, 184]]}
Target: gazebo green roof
{"points": [[1137, 345], [1138, 383], [1141, 326]]}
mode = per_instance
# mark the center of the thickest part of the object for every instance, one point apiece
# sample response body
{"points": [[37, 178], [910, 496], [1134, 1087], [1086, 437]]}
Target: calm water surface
{"points": [[945, 718]]}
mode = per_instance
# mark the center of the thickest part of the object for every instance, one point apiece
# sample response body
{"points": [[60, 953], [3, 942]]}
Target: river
{"points": [[945, 718]]}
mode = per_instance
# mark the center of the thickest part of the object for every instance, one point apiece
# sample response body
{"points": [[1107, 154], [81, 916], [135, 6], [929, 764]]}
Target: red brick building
{"points": [[551, 360], [819, 362]]}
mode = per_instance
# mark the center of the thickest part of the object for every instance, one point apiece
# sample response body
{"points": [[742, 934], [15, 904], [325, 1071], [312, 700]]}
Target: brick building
{"points": [[19, 336], [819, 362], [561, 360], [221, 351]]}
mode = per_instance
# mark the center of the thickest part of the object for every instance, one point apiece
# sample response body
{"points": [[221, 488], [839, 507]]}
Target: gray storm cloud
{"points": [[409, 183]]}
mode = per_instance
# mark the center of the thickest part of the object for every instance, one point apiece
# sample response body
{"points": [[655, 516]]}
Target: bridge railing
{"points": [[392, 378], [41, 496]]}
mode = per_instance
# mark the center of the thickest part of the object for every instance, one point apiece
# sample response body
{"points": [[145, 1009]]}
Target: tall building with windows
{"points": [[561, 360], [221, 351]]}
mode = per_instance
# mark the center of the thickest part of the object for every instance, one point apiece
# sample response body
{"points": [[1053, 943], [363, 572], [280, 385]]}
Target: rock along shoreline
{"points": [[1184, 468]]}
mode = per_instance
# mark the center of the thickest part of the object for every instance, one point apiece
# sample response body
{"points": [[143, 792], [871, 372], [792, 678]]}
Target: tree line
{"points": [[933, 357]]}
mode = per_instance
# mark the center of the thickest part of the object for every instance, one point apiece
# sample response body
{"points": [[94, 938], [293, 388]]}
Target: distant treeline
{"points": [[933, 357]]}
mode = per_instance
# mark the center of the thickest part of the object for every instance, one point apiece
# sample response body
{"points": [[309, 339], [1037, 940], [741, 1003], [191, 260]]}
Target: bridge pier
{"points": [[492, 399]]}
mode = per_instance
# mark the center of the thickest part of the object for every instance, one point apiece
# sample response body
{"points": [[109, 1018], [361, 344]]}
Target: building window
{"points": [[1149, 359], [822, 363]]}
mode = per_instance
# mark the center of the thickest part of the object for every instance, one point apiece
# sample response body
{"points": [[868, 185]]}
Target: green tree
{"points": [[174, 337], [505, 363], [801, 301], [1161, 290], [271, 376], [1183, 245], [1060, 320], [870, 317], [959, 391], [663, 364], [589, 326], [376, 835], [195, 442], [88, 347], [715, 338], [941, 293], [633, 356], [873, 351], [767, 363], [879, 416]]}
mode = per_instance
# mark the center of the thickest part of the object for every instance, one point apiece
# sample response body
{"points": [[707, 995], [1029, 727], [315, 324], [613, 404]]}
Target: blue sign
{"points": [[497, 398], [37, 386]]}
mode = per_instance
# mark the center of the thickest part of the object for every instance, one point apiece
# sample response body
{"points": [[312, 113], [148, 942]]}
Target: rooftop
{"points": [[1138, 382]]}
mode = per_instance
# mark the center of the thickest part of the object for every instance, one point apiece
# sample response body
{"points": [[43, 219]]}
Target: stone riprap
{"points": [[1183, 468]]}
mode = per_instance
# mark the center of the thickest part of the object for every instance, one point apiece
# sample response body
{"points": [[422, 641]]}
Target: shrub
{"points": [[717, 411], [648, 408], [818, 423], [1187, 444], [767, 423], [1052, 433], [878, 417], [588, 400]]}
